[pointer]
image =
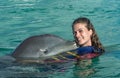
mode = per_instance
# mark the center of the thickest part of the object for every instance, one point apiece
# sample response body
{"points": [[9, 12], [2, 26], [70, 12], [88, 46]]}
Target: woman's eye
{"points": [[74, 33], [80, 31]]}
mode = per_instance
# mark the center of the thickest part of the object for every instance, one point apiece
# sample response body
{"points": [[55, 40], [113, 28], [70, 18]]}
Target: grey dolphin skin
{"points": [[42, 47]]}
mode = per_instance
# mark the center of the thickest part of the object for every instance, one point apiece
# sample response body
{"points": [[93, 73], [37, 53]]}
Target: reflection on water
{"points": [[9, 68], [84, 68]]}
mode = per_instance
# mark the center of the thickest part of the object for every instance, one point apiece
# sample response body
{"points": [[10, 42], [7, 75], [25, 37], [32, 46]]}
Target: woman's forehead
{"points": [[80, 26]]}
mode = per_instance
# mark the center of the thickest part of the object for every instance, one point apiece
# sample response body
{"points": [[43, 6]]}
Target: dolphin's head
{"points": [[59, 48]]}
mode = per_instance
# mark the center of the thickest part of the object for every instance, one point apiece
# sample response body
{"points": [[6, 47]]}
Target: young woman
{"points": [[86, 38]]}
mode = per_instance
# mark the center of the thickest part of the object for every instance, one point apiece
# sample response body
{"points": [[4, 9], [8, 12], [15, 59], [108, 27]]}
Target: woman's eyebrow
{"points": [[79, 29]]}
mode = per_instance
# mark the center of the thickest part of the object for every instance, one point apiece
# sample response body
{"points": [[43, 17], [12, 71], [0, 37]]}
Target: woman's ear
{"points": [[91, 32]]}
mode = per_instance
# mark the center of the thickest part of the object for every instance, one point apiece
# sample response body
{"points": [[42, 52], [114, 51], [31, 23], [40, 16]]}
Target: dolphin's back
{"points": [[31, 46]]}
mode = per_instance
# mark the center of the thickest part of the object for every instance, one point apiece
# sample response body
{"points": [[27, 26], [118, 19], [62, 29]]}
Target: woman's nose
{"points": [[77, 34]]}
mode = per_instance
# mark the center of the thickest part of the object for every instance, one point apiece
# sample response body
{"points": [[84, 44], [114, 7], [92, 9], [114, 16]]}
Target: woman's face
{"points": [[82, 34]]}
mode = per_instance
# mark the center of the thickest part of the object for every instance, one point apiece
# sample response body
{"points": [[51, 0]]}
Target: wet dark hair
{"points": [[94, 38]]}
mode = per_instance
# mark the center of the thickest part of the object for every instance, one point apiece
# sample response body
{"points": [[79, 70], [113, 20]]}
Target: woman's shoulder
{"points": [[88, 52]]}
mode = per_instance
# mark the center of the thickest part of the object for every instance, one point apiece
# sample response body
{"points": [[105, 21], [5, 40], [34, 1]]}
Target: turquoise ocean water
{"points": [[20, 19]]}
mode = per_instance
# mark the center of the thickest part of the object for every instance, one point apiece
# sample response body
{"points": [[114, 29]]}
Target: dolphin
{"points": [[42, 47]]}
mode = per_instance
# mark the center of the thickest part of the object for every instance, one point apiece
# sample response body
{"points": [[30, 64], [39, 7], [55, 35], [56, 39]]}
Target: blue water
{"points": [[20, 19]]}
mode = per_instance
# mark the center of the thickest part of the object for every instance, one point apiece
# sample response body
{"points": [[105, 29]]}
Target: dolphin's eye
{"points": [[46, 51]]}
